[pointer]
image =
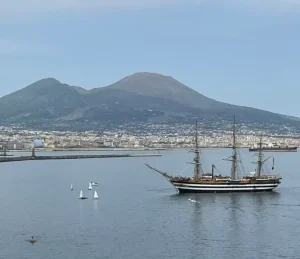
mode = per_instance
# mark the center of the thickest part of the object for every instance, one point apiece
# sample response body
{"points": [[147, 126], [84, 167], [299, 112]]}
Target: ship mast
{"points": [[197, 156], [234, 154], [260, 156]]}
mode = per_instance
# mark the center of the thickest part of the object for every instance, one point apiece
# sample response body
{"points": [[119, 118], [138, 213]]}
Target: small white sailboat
{"points": [[96, 195], [71, 187], [81, 196], [192, 200], [90, 186]]}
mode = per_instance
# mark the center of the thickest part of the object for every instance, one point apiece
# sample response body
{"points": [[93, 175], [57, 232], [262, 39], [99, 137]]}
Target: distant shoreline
{"points": [[64, 157], [125, 149], [108, 149]]}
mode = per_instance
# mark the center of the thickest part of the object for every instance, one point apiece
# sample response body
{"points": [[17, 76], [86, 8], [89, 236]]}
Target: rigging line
{"points": [[241, 172], [184, 169], [202, 162], [218, 170], [266, 166], [241, 163], [219, 162]]}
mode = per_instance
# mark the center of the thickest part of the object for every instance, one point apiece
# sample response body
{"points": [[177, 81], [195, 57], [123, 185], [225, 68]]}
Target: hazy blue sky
{"points": [[247, 54]]}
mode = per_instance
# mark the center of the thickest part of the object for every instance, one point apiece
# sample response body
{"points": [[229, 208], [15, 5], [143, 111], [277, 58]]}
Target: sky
{"points": [[240, 52]]}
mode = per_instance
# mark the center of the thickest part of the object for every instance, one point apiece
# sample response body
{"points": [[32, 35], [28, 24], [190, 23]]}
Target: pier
{"points": [[33, 157]]}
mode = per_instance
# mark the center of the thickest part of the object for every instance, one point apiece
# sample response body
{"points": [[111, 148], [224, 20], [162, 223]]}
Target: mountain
{"points": [[45, 99], [156, 85], [141, 97]]}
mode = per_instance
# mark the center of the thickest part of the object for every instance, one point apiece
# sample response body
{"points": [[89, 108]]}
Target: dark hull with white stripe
{"points": [[184, 187], [220, 191]]}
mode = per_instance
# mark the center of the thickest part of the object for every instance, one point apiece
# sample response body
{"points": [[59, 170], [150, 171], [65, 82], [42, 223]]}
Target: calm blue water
{"points": [[139, 215]]}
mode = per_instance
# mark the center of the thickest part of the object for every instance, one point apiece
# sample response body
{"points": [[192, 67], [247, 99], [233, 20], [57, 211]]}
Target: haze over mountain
{"points": [[141, 97]]}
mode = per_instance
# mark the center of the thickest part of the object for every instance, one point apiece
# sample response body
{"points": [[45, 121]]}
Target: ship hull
{"points": [[265, 149], [222, 191], [224, 188]]}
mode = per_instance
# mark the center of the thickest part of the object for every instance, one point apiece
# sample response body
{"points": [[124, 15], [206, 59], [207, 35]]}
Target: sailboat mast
{"points": [[259, 161], [197, 156], [234, 154]]}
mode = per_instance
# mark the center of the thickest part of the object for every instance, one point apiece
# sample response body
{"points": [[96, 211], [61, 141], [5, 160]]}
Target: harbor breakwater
{"points": [[35, 158]]}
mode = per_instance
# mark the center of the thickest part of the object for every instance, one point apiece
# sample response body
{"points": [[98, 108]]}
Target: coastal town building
{"points": [[13, 138]]}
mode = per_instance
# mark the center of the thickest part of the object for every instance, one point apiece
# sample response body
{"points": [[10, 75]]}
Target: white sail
{"points": [[81, 194], [96, 195], [90, 186], [71, 187]]}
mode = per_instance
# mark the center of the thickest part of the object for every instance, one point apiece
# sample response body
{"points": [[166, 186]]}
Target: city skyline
{"points": [[220, 51]]}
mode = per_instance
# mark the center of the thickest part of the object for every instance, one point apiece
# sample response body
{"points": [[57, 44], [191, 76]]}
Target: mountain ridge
{"points": [[140, 97]]}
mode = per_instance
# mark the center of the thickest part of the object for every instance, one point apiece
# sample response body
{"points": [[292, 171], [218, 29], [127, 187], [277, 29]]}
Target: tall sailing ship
{"points": [[209, 182]]}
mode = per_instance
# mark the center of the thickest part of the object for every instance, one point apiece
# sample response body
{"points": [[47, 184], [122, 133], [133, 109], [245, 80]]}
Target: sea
{"points": [[140, 215]]}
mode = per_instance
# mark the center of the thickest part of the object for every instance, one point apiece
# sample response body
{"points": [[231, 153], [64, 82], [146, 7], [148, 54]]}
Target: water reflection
{"points": [[236, 216], [81, 205], [198, 230], [95, 205], [204, 218], [235, 210], [197, 216], [262, 201]]}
